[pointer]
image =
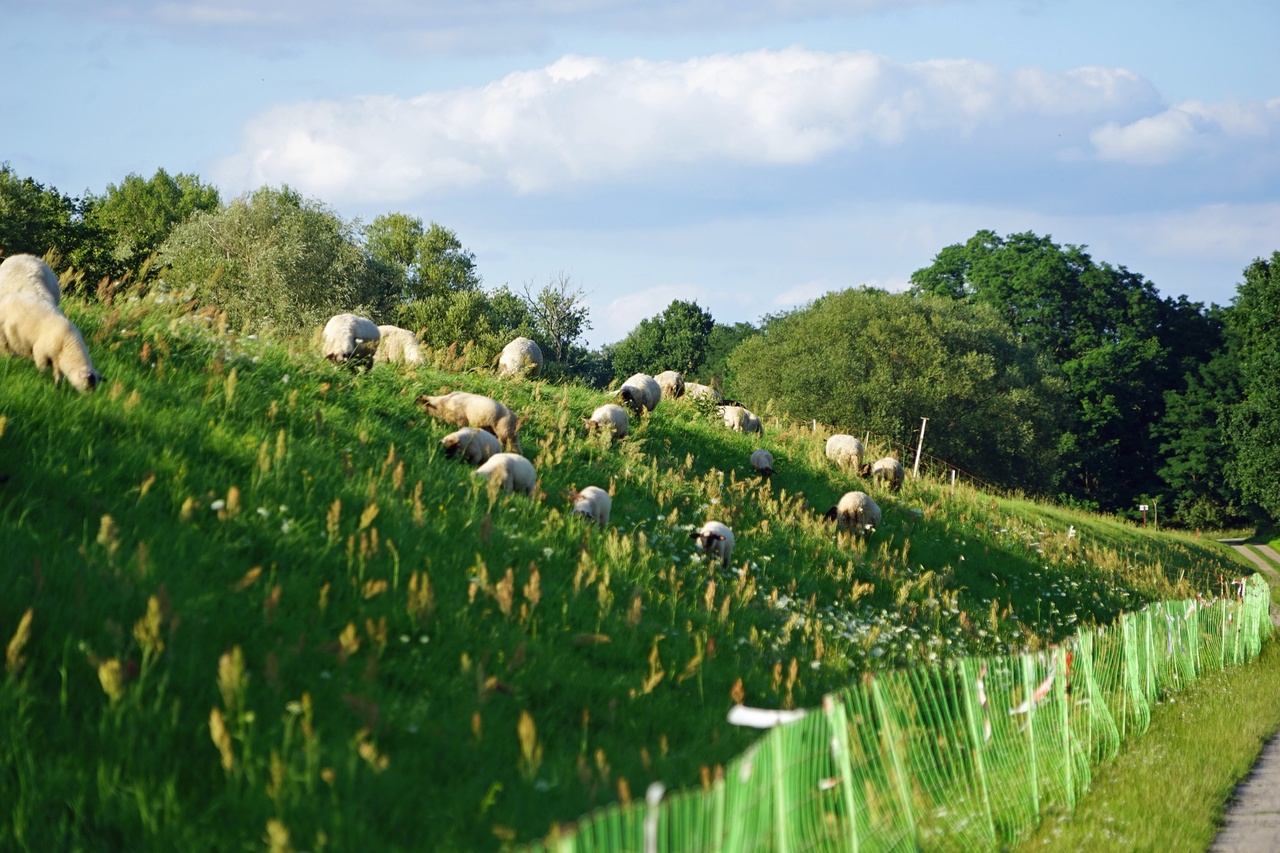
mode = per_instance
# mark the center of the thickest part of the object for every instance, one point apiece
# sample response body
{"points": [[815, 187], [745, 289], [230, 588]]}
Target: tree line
{"points": [[1039, 368]]}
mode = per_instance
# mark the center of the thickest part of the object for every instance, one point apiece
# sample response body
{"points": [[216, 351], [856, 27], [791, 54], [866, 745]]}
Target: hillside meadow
{"points": [[248, 602]]}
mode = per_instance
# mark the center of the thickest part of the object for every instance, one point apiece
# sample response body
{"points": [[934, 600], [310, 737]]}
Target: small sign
{"points": [[1142, 507]]}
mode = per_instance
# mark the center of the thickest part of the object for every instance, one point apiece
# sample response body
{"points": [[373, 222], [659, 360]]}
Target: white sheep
{"points": [[856, 511], [32, 328], [350, 337], [671, 383], [610, 416], [888, 470], [762, 462], [397, 346], [512, 470], [739, 419], [594, 503], [845, 450], [521, 357], [29, 274], [473, 445], [715, 539], [461, 408], [698, 391], [641, 392]]}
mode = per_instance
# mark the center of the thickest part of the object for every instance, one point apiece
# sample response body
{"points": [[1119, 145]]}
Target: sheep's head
{"points": [[452, 447], [428, 404], [85, 382]]}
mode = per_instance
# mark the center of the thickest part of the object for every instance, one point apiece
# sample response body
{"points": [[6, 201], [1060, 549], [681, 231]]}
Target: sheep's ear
{"points": [[831, 514], [716, 536], [95, 379], [694, 535]]}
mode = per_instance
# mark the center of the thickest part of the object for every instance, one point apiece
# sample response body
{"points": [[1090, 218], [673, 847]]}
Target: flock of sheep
{"points": [[33, 326]]}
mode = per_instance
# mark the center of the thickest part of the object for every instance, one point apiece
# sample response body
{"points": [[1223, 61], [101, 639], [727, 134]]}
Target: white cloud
{"points": [[586, 120], [1193, 127]]}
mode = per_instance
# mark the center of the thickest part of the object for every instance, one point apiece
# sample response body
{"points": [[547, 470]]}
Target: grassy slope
{"points": [[424, 658]]}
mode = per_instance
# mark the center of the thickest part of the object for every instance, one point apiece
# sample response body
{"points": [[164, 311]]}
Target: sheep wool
{"points": [[521, 357], [641, 393], [350, 337], [856, 511], [31, 275], [610, 416], [740, 419], [845, 450], [511, 470], [594, 503], [475, 446], [32, 328], [762, 462], [397, 346], [715, 539], [671, 383], [698, 391], [890, 472], [464, 409]]}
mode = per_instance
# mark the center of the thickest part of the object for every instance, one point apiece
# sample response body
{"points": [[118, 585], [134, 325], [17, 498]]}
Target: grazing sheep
{"points": [[397, 346], [594, 503], [856, 511], [521, 357], [888, 470], [475, 446], [511, 469], [350, 337], [671, 383], [641, 393], [715, 539], [698, 391], [461, 408], [610, 416], [739, 419], [32, 328], [845, 451], [762, 462], [29, 274]]}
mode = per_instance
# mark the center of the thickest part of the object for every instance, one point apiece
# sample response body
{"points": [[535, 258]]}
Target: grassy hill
{"points": [[265, 609]]}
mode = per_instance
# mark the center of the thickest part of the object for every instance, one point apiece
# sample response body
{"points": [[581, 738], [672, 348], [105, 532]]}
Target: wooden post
{"points": [[915, 470]]}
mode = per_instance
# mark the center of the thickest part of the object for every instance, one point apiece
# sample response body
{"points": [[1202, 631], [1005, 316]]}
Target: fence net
{"points": [[963, 756]]}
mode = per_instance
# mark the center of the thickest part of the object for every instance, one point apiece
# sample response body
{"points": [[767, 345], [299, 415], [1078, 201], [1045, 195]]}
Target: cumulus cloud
{"points": [[590, 120], [1190, 128]]}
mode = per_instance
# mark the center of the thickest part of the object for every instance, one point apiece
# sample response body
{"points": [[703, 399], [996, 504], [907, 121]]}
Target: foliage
{"points": [[136, 216], [676, 340], [866, 360], [559, 313], [722, 341], [430, 262], [38, 219], [1254, 429], [275, 259]]}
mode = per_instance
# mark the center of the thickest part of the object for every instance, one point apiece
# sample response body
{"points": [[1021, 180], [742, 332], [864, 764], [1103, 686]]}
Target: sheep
{"points": [[715, 539], [762, 462], [397, 346], [845, 451], [641, 393], [32, 328], [671, 383], [512, 470], [350, 337], [473, 445], [521, 357], [463, 409], [887, 469], [740, 419], [697, 391], [594, 503], [610, 416], [29, 274], [856, 511]]}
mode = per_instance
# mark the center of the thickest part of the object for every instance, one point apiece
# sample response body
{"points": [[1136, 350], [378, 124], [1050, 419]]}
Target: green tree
{"points": [[136, 216], [867, 360], [274, 258], [431, 261], [722, 341], [1254, 424], [37, 219], [559, 313], [676, 339]]}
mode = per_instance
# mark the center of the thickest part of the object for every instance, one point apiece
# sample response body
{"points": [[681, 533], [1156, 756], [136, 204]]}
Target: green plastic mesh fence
{"points": [[963, 756]]}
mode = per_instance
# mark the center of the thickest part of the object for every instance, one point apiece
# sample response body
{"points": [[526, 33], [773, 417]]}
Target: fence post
{"points": [[915, 470]]}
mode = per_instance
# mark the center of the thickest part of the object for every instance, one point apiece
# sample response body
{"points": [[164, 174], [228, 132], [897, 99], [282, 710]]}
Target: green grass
{"points": [[234, 536]]}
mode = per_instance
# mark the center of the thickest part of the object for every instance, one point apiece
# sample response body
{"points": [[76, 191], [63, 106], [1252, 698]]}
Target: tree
{"points": [[676, 339], [1254, 424], [867, 360], [135, 217], [36, 219], [559, 313], [721, 343], [431, 261]]}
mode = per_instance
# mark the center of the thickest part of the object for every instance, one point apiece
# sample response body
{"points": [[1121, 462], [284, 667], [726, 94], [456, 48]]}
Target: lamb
{"points": [[698, 391], [845, 451], [512, 470], [762, 462], [32, 328], [397, 346], [641, 393], [521, 357], [671, 383], [594, 503], [715, 539], [888, 470], [463, 409], [856, 511], [610, 416], [29, 274], [475, 446], [739, 419], [350, 337]]}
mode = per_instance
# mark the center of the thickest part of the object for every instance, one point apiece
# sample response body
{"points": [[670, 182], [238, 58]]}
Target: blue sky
{"points": [[748, 154]]}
